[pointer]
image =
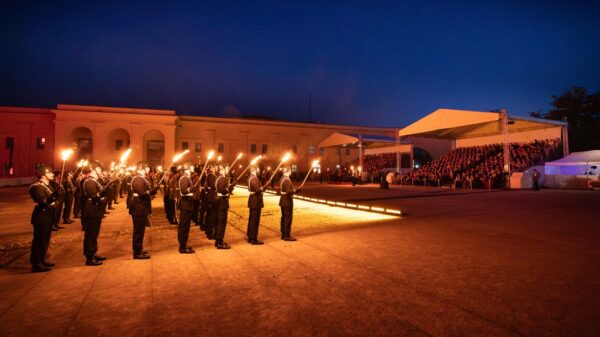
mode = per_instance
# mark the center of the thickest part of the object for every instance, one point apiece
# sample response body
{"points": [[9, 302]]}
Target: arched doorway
{"points": [[118, 140], [81, 139], [154, 147]]}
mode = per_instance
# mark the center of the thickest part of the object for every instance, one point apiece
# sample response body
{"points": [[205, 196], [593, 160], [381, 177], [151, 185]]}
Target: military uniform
{"points": [[140, 209], [77, 196], [171, 192], [186, 206], [255, 204], [211, 205], [128, 190], [222, 190], [60, 196], [286, 202], [93, 212], [68, 203], [42, 219], [203, 204], [196, 198]]}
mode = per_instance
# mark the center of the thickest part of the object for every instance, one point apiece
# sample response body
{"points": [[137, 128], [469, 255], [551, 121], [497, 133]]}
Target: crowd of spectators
{"points": [[379, 161]]}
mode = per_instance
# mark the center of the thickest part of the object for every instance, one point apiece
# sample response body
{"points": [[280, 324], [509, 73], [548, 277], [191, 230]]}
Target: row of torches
{"points": [[65, 154]]}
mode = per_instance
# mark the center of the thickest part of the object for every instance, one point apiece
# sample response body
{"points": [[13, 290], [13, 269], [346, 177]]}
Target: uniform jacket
{"points": [[172, 187], [223, 189], [185, 189], [287, 192], [45, 208], [141, 204], [255, 199], [94, 199], [211, 193]]}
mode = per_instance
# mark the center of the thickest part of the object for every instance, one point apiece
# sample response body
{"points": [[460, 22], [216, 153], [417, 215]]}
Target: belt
{"points": [[187, 195], [136, 195], [223, 195], [285, 193]]}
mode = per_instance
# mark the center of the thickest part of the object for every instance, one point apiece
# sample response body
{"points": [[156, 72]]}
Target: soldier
{"points": [[202, 209], [222, 190], [255, 204], [60, 195], [196, 198], [84, 176], [128, 187], [172, 196], [211, 202], [68, 188], [93, 212], [286, 202], [77, 194], [42, 219], [140, 210], [186, 206]]}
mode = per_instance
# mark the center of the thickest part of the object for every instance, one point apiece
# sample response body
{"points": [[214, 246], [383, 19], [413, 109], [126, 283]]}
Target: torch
{"points": [[236, 159], [175, 159], [64, 155], [283, 160], [315, 163], [257, 158]]}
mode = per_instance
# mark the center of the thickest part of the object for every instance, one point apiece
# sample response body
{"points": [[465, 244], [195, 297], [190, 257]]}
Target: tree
{"points": [[582, 112]]}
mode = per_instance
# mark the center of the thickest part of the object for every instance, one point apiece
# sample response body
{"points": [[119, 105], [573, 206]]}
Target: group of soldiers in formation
{"points": [[200, 198]]}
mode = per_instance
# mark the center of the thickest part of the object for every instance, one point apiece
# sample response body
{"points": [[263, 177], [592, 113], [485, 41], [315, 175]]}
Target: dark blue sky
{"points": [[383, 64]]}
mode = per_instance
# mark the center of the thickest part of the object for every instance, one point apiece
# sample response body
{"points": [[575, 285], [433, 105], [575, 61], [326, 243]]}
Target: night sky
{"points": [[384, 64]]}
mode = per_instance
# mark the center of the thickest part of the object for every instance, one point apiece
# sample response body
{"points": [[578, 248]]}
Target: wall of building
{"points": [[238, 135], [520, 137], [32, 131]]}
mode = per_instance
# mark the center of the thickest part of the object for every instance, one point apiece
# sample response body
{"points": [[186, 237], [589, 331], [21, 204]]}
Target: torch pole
{"points": [[305, 178], [62, 172], [274, 172]]}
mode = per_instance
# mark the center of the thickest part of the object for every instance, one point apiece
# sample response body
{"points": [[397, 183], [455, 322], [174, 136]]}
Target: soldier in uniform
{"points": [[172, 196], [128, 178], [84, 176], [196, 197], [77, 194], [140, 210], [186, 207], [42, 219], [60, 196], [255, 204], [68, 188], [211, 202], [93, 212], [203, 203], [222, 190], [286, 202]]}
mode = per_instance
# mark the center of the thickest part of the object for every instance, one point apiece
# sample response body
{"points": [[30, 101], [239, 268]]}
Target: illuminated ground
{"points": [[459, 264]]}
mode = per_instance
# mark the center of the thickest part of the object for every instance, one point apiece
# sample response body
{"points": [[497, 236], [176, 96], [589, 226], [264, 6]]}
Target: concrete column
{"points": [[361, 152]]}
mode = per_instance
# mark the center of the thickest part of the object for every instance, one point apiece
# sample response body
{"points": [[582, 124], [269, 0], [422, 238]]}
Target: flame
{"points": [[180, 155], [65, 154], [253, 162], [239, 155], [210, 155], [219, 158], [124, 156], [286, 157], [315, 163], [159, 168]]}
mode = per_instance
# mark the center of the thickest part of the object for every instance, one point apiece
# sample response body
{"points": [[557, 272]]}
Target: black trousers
{"points": [[171, 216], [77, 204], [139, 228], [59, 208], [211, 217], [202, 214], [165, 205], [109, 197], [286, 221], [90, 238], [183, 231], [195, 212], [68, 206], [40, 243], [221, 217], [253, 222]]}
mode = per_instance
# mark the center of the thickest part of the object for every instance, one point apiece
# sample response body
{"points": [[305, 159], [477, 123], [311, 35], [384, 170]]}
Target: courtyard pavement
{"points": [[459, 263]]}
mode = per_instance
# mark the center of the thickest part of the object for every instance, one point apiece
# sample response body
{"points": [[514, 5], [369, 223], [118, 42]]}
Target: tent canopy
{"points": [[457, 124], [352, 139], [578, 158]]}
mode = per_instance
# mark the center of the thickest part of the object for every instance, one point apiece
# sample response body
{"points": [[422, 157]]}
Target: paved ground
{"points": [[459, 264]]}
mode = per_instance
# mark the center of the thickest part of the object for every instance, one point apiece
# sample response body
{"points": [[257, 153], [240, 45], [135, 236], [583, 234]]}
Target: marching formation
{"points": [[200, 193]]}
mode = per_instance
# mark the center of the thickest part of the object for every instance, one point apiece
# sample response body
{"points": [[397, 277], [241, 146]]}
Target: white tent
{"points": [[577, 163]]}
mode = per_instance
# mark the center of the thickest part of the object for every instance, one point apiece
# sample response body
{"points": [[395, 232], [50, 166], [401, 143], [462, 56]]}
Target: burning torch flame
{"points": [[239, 155], [124, 156], [219, 158], [159, 168], [253, 162], [180, 155], [65, 154], [315, 163], [210, 155], [286, 157]]}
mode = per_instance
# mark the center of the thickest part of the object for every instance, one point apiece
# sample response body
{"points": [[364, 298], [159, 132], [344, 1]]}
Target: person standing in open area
{"points": [[42, 219], [286, 202], [140, 210], [255, 204]]}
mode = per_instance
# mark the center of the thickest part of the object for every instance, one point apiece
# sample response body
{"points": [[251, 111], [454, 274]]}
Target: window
{"points": [[294, 149], [185, 145], [9, 143], [347, 151], [321, 151], [41, 143], [264, 148], [252, 148], [198, 147], [221, 147], [118, 144], [294, 168], [311, 150]]}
